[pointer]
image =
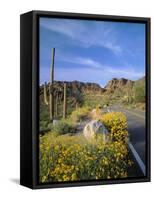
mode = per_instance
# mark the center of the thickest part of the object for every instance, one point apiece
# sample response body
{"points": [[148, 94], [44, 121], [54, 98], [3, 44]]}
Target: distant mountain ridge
{"points": [[112, 86], [73, 86]]}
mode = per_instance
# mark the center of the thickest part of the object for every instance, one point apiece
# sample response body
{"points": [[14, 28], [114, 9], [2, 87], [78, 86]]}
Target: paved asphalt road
{"points": [[136, 128]]}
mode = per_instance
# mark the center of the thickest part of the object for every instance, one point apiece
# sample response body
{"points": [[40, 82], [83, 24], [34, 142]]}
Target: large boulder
{"points": [[95, 127]]}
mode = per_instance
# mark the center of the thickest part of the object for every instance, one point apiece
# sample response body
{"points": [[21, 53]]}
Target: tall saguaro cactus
{"points": [[51, 89], [64, 103]]}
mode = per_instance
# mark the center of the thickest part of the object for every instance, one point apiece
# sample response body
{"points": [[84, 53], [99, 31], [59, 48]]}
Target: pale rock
{"points": [[95, 127]]}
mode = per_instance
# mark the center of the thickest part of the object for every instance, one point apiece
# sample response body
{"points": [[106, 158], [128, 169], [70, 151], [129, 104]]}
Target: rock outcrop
{"points": [[77, 86], [93, 128], [115, 83]]}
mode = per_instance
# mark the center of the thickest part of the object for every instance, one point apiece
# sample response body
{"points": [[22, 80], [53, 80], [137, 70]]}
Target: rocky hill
{"points": [[118, 84], [92, 94], [76, 86]]}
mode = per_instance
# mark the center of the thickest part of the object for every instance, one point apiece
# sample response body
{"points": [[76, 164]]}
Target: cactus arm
{"points": [[45, 94]]}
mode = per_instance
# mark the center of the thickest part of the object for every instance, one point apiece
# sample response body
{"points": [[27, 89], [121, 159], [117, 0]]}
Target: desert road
{"points": [[136, 128]]}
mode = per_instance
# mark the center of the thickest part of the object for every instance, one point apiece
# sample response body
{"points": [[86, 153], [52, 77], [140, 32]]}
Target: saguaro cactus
{"points": [[65, 101], [45, 94], [51, 89], [56, 106]]}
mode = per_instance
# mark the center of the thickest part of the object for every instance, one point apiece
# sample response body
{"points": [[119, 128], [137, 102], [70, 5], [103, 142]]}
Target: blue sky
{"points": [[91, 51]]}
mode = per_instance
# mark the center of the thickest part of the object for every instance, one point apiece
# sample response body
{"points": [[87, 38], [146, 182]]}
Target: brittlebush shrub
{"points": [[73, 158], [116, 123]]}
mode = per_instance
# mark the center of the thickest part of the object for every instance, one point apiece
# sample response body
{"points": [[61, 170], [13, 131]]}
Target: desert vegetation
{"points": [[80, 138], [71, 157]]}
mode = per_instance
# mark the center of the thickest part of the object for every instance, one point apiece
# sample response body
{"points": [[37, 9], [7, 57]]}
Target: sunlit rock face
{"points": [[95, 127]]}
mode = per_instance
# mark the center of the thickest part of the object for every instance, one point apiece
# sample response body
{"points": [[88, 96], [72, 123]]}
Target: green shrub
{"points": [[43, 125], [64, 127], [91, 100], [139, 91]]}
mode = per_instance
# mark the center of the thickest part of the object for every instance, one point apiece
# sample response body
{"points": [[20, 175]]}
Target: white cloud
{"points": [[107, 70], [83, 34], [97, 34], [89, 74], [80, 60], [125, 73]]}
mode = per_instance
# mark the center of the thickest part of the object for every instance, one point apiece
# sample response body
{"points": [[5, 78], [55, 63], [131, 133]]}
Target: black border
{"points": [[35, 96]]}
